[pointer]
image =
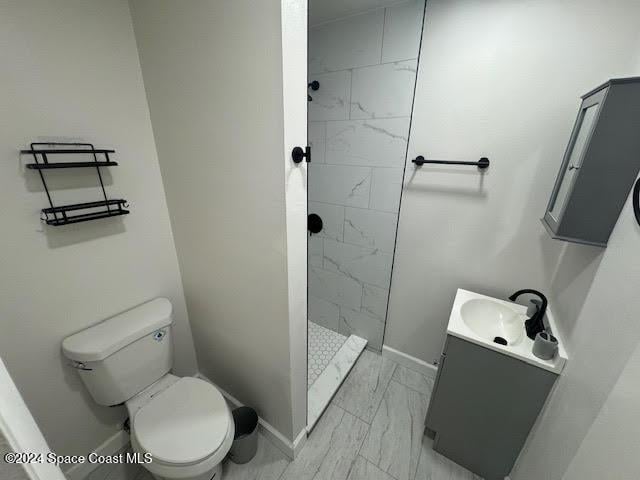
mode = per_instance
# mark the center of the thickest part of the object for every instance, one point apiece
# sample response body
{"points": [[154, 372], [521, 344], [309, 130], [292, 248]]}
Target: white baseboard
{"points": [[111, 446], [412, 363], [290, 449], [299, 442]]}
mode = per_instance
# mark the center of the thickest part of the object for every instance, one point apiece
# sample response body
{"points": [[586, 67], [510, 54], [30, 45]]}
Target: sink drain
{"points": [[500, 340]]}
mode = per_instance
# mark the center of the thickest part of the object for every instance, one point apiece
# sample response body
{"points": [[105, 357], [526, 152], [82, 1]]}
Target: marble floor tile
{"points": [[331, 449], [394, 440], [362, 391], [365, 470], [268, 464], [118, 471], [316, 447], [414, 380], [144, 474], [10, 471], [433, 466], [345, 444]]}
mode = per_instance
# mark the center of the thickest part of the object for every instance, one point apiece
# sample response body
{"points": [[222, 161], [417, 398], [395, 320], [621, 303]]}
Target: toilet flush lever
{"points": [[80, 366]]}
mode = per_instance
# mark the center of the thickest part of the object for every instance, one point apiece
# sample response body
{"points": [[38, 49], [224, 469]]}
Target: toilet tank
{"points": [[121, 356]]}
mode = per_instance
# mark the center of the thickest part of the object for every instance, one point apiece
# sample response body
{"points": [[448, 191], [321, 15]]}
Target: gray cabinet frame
{"points": [[607, 167]]}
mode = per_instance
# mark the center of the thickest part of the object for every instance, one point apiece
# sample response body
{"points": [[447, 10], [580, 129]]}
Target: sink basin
{"points": [[489, 319], [479, 319]]}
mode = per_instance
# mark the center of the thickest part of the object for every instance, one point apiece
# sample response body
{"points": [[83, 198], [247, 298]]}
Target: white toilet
{"points": [[184, 423]]}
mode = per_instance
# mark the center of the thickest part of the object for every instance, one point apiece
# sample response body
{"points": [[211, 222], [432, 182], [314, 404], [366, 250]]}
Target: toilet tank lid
{"points": [[107, 337]]}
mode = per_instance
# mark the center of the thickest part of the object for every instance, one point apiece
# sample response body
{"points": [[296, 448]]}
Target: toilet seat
{"points": [[183, 424], [186, 425]]}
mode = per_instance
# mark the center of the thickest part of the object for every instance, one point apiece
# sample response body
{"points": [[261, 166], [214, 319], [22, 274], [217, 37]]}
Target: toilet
{"points": [[184, 423]]}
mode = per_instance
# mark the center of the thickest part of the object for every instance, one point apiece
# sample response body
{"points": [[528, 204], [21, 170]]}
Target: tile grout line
{"points": [[359, 67], [410, 387], [356, 208], [362, 120], [378, 407]]}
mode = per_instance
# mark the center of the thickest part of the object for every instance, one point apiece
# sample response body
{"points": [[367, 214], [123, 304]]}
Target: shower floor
{"points": [[323, 346], [331, 356]]}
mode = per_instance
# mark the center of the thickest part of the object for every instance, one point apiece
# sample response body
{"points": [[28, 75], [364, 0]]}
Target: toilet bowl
{"points": [[182, 423]]}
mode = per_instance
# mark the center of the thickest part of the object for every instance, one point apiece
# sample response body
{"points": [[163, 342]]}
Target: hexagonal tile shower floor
{"points": [[323, 346]]}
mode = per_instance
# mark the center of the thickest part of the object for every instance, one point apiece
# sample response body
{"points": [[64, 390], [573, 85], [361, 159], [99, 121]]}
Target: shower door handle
{"points": [[297, 154], [314, 223]]}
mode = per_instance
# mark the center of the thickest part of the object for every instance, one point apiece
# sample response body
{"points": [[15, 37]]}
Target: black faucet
{"points": [[534, 324]]}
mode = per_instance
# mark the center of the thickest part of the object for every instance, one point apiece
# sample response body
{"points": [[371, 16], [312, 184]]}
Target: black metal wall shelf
{"points": [[51, 165], [59, 215], [64, 219]]}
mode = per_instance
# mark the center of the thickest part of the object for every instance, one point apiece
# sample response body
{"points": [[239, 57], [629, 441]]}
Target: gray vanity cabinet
{"points": [[483, 406], [599, 166]]}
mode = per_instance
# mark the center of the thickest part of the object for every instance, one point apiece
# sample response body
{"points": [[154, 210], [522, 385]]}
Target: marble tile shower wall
{"points": [[358, 129]]}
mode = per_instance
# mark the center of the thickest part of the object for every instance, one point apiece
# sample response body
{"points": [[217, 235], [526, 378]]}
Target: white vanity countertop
{"points": [[522, 350]]}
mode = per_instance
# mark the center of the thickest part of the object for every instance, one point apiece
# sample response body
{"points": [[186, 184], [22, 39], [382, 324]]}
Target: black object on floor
{"points": [[245, 439]]}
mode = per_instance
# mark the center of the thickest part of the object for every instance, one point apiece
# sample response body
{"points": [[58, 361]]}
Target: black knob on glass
{"points": [[314, 223], [315, 85], [297, 154]]}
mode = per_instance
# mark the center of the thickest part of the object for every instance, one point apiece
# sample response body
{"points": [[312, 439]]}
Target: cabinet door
{"points": [[576, 149], [484, 406]]}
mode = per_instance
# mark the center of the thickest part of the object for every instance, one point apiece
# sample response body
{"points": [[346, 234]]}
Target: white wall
{"points": [[70, 70], [214, 79], [490, 84], [601, 336], [503, 79], [294, 79], [610, 449]]}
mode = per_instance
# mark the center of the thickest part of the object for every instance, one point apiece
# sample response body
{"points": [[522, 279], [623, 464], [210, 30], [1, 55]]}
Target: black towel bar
{"points": [[482, 163]]}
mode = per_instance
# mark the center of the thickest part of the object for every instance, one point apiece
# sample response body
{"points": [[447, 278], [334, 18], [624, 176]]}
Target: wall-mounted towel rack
{"points": [[481, 164], [60, 215]]}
